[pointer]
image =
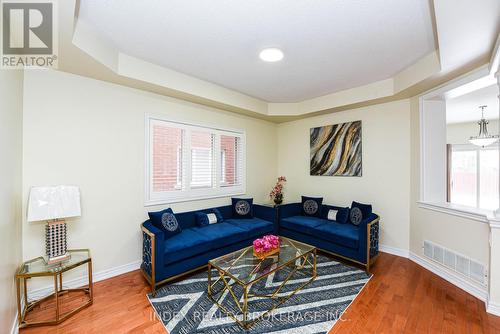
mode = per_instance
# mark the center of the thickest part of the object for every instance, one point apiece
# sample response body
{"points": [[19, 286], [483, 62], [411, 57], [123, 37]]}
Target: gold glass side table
{"points": [[39, 268]]}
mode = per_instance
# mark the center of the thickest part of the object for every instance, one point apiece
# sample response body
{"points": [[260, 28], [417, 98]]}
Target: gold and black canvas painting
{"points": [[336, 150]]}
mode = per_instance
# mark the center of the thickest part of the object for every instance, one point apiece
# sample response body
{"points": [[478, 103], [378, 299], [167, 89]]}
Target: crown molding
{"points": [[495, 59], [89, 43]]}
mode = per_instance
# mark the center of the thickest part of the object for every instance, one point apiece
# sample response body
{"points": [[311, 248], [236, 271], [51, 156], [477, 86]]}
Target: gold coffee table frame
{"points": [[305, 254], [38, 268]]}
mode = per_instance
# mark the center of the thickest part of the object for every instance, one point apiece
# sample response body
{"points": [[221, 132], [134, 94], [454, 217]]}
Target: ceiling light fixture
{"points": [[271, 54], [483, 139]]}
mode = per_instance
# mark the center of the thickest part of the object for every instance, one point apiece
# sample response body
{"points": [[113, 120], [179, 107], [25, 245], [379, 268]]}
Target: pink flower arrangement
{"points": [[266, 244], [276, 193]]}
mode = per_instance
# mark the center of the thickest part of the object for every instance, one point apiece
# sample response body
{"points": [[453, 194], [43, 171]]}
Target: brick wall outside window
{"points": [[166, 144]]}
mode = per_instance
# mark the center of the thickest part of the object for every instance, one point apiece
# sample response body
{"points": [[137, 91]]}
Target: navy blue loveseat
{"points": [[355, 243], [166, 259]]}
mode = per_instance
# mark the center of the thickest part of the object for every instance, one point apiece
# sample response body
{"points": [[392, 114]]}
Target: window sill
{"points": [[155, 202], [480, 215]]}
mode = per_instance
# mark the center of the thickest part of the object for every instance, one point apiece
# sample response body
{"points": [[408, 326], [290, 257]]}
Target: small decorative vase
{"points": [[278, 199]]}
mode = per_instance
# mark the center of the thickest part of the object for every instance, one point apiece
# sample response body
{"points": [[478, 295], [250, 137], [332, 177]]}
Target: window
{"points": [[474, 176], [230, 160], [182, 163]]}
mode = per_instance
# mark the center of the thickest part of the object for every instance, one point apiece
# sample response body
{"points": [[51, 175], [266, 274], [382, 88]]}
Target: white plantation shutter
{"points": [[202, 159], [188, 162]]}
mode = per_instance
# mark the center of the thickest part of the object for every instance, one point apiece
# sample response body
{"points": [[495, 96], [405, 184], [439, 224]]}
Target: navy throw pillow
{"points": [[359, 211], [366, 209], [242, 208], [343, 215], [165, 220], [335, 213], [356, 216], [311, 206], [220, 219], [211, 217], [202, 219]]}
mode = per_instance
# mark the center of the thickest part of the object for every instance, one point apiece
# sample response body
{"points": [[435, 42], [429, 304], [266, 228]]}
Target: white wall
{"points": [[434, 147], [10, 191], [465, 236], [91, 133], [459, 133], [386, 166]]}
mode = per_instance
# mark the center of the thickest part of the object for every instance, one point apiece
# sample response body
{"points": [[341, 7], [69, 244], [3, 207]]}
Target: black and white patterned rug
{"points": [[184, 306]]}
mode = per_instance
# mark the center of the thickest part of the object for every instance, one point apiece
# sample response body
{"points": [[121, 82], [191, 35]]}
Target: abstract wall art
{"points": [[336, 150]]}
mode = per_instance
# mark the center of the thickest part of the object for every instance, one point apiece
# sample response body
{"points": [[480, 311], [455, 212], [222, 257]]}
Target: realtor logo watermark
{"points": [[29, 34]]}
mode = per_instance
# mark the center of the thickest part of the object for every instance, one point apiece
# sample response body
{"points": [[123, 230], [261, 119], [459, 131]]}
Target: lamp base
{"points": [[58, 259], [55, 241]]}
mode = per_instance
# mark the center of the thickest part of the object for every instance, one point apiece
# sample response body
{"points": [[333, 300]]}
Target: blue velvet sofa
{"points": [[358, 244], [166, 259]]}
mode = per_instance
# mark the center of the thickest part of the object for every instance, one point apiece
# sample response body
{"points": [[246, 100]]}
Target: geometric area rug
{"points": [[184, 307]]}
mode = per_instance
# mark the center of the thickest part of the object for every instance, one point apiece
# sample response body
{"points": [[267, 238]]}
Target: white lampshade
{"points": [[485, 141], [46, 203]]}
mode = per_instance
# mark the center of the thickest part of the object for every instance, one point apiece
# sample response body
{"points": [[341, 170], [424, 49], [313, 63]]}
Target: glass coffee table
{"points": [[239, 282]]}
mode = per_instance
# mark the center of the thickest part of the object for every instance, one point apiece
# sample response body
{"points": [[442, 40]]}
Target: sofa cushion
{"points": [[254, 226], [222, 234], [186, 244], [242, 208], [311, 206], [346, 235], [302, 224], [166, 221]]}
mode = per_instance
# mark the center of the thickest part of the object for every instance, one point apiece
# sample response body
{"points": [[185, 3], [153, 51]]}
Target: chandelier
{"points": [[483, 139]]}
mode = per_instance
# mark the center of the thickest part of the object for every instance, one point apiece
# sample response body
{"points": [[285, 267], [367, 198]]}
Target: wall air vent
{"points": [[456, 262]]}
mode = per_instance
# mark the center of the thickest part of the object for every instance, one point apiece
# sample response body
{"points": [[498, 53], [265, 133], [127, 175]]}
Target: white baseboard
{"points": [[493, 308], [81, 281], [394, 251], [479, 292]]}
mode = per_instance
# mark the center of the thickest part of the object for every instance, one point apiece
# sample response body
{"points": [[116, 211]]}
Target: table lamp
{"points": [[53, 204]]}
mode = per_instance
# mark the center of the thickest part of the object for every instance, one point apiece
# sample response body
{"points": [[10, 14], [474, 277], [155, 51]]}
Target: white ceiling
{"points": [[465, 108], [466, 29], [329, 45]]}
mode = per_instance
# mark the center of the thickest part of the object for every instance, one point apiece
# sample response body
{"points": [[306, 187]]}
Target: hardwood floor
{"points": [[402, 297]]}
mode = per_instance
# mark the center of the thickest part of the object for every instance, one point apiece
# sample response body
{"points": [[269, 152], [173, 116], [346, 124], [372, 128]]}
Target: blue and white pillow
{"points": [[165, 220], [338, 214], [359, 211], [242, 208], [311, 206], [212, 217]]}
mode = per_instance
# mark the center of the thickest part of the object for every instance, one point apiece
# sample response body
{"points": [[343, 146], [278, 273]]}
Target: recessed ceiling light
{"points": [[271, 54]]}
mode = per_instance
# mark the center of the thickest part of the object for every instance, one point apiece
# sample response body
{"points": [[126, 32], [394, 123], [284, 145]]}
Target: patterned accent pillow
{"points": [[356, 216], [165, 220], [311, 206], [242, 208], [366, 209], [212, 217]]}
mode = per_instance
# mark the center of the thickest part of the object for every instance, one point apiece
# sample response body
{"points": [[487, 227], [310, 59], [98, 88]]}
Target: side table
{"points": [[39, 268]]}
